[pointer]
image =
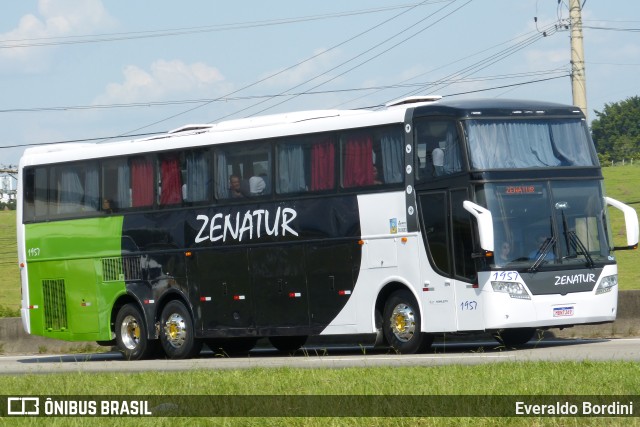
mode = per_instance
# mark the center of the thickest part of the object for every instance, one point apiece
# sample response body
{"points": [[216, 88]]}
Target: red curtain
{"points": [[141, 182], [171, 192], [358, 161], [322, 166]]}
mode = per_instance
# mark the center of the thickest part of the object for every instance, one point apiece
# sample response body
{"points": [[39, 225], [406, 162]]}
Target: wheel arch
{"points": [[166, 298], [383, 295], [120, 302]]}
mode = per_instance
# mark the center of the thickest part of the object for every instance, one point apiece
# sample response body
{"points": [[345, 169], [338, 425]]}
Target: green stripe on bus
{"points": [[70, 296]]}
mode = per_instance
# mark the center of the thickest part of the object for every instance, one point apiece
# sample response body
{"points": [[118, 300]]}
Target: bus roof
{"points": [[293, 123], [194, 135], [476, 108]]}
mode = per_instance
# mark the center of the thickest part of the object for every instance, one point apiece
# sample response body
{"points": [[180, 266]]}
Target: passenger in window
{"points": [[437, 156], [540, 242], [503, 257], [107, 206], [256, 186], [267, 183], [235, 190]]}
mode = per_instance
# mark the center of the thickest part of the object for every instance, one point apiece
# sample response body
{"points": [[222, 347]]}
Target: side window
{"points": [[142, 193], [447, 230], [389, 155], [462, 235], [243, 171], [75, 189], [116, 179], [305, 164], [41, 187], [29, 194], [433, 211], [372, 157], [357, 160], [437, 149], [169, 179], [35, 194], [197, 176]]}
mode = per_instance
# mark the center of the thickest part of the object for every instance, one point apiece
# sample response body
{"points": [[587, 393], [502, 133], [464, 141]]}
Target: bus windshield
{"points": [[538, 225], [533, 143]]}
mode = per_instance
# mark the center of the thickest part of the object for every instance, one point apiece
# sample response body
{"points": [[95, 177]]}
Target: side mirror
{"points": [[630, 220], [485, 224]]}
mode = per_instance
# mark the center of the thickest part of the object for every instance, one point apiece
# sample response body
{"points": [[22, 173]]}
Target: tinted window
{"points": [[243, 171], [306, 164], [437, 149], [372, 157]]}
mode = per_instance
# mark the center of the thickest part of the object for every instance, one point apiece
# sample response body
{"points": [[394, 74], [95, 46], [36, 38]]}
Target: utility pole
{"points": [[578, 77]]}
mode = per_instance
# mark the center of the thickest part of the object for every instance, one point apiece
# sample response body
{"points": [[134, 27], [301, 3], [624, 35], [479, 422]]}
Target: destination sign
{"points": [[520, 189]]}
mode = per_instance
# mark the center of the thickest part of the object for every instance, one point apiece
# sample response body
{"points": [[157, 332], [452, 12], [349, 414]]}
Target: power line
{"points": [[528, 36], [110, 37], [629, 30], [156, 133], [270, 96], [70, 141], [506, 86], [282, 71], [446, 82], [352, 59], [486, 62]]}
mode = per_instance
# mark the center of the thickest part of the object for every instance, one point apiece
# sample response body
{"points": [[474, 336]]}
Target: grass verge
{"points": [[515, 379]]}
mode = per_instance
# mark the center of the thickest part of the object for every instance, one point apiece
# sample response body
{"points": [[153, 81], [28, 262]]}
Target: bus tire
{"points": [[177, 333], [516, 337], [288, 344], [131, 334], [401, 324]]}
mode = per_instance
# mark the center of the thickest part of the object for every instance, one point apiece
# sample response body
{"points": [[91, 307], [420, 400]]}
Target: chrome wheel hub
{"points": [[175, 330], [130, 332], [403, 322]]}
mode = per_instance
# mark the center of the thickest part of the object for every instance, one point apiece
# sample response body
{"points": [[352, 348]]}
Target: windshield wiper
{"points": [[544, 249], [579, 245]]}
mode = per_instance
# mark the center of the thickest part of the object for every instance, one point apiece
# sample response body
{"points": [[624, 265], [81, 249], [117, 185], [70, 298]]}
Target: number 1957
{"points": [[33, 252], [468, 305]]}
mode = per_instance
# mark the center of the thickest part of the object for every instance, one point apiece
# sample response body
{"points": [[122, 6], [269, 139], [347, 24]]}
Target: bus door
{"points": [[453, 297], [221, 287], [280, 289], [331, 268]]}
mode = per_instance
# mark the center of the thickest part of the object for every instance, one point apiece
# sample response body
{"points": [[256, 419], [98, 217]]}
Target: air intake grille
{"points": [[55, 305], [119, 269]]}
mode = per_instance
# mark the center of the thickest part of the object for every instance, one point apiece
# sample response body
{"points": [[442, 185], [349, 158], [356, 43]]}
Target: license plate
{"points": [[562, 311]]}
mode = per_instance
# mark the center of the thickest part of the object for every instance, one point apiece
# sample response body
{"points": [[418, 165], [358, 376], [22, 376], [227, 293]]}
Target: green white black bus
{"points": [[426, 217]]}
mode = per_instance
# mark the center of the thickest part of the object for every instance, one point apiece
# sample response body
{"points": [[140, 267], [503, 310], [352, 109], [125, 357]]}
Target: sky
{"points": [[100, 69]]}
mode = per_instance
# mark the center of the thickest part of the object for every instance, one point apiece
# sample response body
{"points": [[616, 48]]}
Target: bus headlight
{"points": [[514, 289], [606, 284]]}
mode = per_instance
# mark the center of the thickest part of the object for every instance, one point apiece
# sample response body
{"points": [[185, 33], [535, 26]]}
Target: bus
{"points": [[427, 216]]}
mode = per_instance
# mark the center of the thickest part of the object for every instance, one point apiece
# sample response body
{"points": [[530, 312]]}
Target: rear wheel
{"points": [[516, 337], [401, 324], [177, 332], [288, 344], [131, 334]]}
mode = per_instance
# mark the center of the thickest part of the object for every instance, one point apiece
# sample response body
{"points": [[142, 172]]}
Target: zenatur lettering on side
{"points": [[252, 224]]}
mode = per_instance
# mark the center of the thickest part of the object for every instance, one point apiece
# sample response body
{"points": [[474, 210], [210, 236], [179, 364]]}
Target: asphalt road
{"points": [[467, 353]]}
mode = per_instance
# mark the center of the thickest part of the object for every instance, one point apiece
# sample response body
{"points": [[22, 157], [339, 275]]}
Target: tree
{"points": [[616, 130]]}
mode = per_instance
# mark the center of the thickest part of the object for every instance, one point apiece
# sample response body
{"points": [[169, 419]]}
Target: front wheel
{"points": [[177, 332], [401, 324], [131, 334]]}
